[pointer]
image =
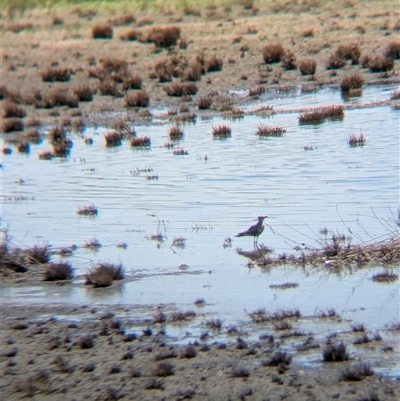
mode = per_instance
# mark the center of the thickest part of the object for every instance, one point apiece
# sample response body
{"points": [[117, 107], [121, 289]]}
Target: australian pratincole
{"points": [[254, 230]]}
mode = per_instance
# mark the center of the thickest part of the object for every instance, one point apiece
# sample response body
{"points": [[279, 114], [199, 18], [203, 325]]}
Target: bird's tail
{"points": [[239, 235]]}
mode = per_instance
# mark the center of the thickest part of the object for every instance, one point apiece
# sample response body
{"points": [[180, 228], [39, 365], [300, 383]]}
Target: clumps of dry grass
{"points": [[89, 210], [393, 49], [255, 254], [37, 383], [272, 53], [58, 272], [13, 110], [175, 132], [222, 131], [180, 152], [60, 142], [352, 81], [307, 66], [24, 147], [37, 254], [162, 36], [379, 63], [257, 91], [46, 155], [137, 99], [357, 328], [281, 359], [141, 142], [289, 60], [334, 62], [266, 130], [335, 353], [83, 92], [12, 125], [214, 324], [179, 242], [132, 82], [104, 274], [214, 63], [178, 89], [108, 87], [199, 302], [349, 51], [240, 372], [261, 316], [102, 31], [180, 316], [329, 313], [357, 140], [320, 114], [385, 277], [86, 341], [365, 339], [93, 243], [356, 372], [131, 34], [164, 369], [204, 102], [188, 352], [52, 74], [283, 286], [114, 138], [395, 95]]}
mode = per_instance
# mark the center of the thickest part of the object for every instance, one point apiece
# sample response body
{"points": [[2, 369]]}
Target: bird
{"points": [[255, 230]]}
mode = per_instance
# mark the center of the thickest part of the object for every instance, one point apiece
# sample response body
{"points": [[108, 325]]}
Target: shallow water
{"points": [[215, 191]]}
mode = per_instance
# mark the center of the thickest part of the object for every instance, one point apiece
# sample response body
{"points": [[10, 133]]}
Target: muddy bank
{"points": [[97, 353]]}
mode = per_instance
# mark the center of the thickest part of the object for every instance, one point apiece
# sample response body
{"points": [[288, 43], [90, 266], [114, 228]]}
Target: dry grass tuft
{"points": [[393, 49], [352, 81], [350, 51], [380, 63], [180, 152], [356, 372], [385, 277], [222, 131], [132, 82], [182, 316], [320, 114], [175, 132], [58, 271], [83, 92], [265, 130], [114, 138], [89, 210], [214, 324], [272, 53], [131, 34], [137, 99], [164, 369], [395, 95], [52, 74], [102, 31], [188, 352], [335, 353], [307, 66], [104, 274], [214, 63], [178, 89], [141, 142], [288, 60], [204, 102], [13, 110], [357, 140], [12, 125], [163, 36]]}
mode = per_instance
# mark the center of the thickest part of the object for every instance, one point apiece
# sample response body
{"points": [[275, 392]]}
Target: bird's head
{"points": [[262, 217]]}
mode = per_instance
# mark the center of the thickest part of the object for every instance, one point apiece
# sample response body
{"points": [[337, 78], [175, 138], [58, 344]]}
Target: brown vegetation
{"points": [[102, 31], [307, 66], [163, 36], [58, 271], [175, 132], [272, 53], [265, 130], [214, 63], [222, 131], [352, 81], [141, 142], [52, 74], [12, 124], [89, 210], [335, 353], [104, 274], [11, 109], [137, 99], [320, 114], [204, 102], [357, 140], [181, 89], [114, 138], [83, 92]]}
